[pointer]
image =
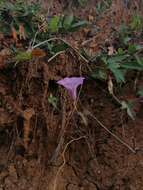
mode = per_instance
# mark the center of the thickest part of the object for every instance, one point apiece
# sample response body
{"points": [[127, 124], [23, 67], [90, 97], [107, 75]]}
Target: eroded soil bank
{"points": [[69, 148]]}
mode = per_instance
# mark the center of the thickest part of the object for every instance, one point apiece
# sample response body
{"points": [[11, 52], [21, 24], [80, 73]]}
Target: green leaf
{"points": [[23, 56], [82, 2], [128, 106], [78, 24], [115, 68], [137, 23], [100, 74], [133, 48], [140, 92], [54, 24], [117, 58], [59, 47], [113, 65], [120, 51], [139, 60], [104, 59], [53, 101], [67, 22], [126, 40], [132, 66], [119, 74]]}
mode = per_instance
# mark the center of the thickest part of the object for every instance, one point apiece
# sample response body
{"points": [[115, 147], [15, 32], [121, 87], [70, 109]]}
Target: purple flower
{"points": [[71, 84]]}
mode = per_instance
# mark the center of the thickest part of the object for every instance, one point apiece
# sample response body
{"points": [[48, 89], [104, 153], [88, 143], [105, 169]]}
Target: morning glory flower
{"points": [[71, 84]]}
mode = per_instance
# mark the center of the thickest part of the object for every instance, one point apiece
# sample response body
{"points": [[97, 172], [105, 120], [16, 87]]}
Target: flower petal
{"points": [[71, 84]]}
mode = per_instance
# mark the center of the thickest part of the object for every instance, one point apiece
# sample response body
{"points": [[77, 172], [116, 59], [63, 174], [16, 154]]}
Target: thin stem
{"points": [[115, 136], [106, 3], [64, 160], [54, 39], [117, 100], [54, 56], [33, 40]]}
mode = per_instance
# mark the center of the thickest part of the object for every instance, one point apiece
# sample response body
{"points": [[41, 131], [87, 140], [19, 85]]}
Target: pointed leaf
{"points": [[129, 108], [132, 66], [54, 24], [68, 21], [119, 74]]}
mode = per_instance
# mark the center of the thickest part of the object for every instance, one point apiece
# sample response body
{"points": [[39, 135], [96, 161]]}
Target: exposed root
{"points": [[64, 160], [115, 136], [27, 114]]}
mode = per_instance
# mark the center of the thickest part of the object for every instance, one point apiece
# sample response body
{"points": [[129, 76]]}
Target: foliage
{"points": [[14, 14], [137, 23], [102, 6], [82, 2], [128, 106], [53, 101], [126, 57], [129, 32], [66, 23], [78, 3], [29, 16], [119, 63], [22, 56], [26, 21], [140, 92]]}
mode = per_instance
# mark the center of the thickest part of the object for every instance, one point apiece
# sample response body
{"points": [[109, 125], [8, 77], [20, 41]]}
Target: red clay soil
{"points": [[68, 148]]}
